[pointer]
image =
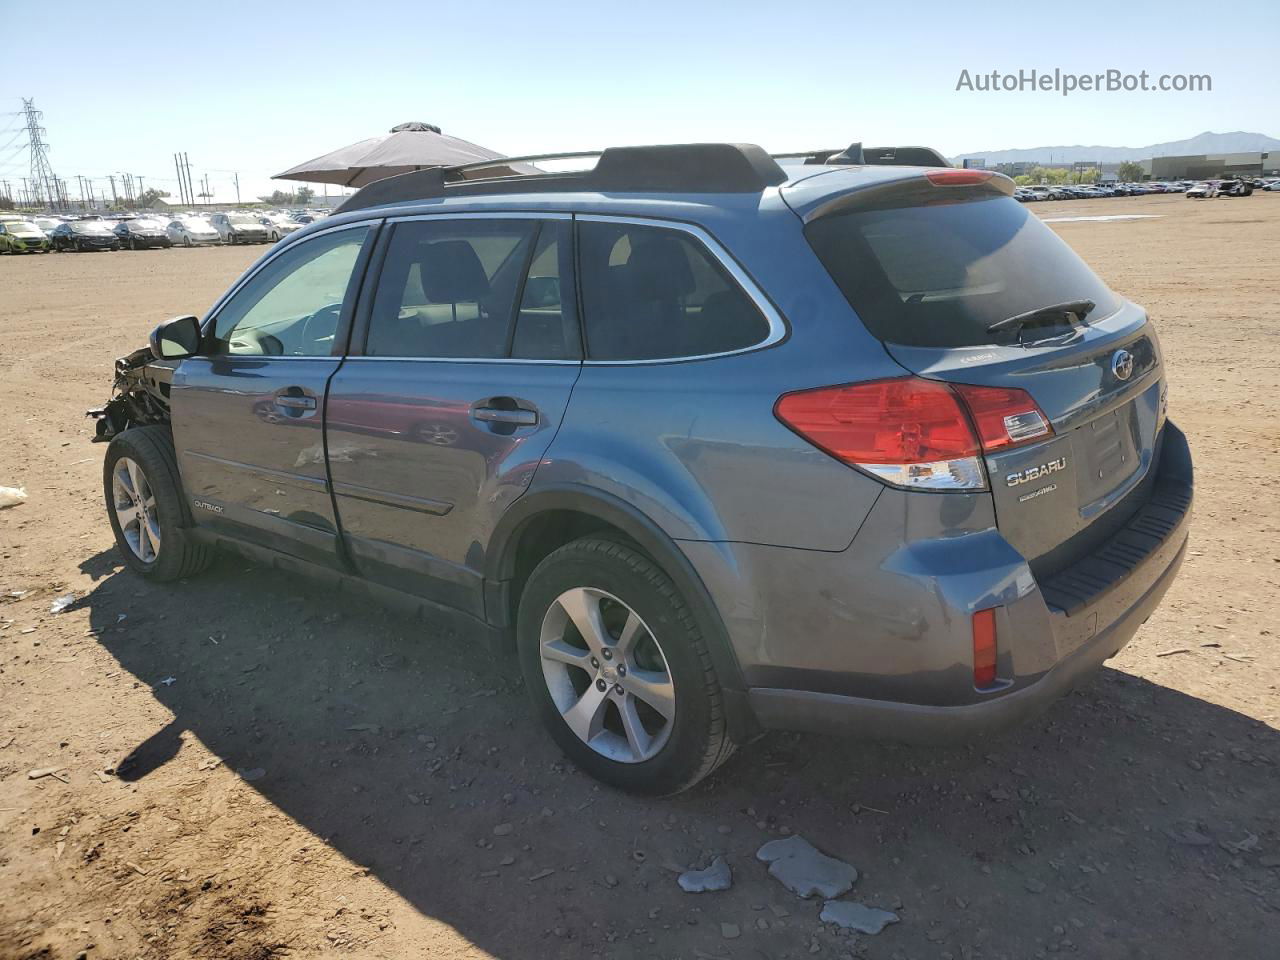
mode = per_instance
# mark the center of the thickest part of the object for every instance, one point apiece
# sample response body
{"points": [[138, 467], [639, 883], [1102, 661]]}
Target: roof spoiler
{"points": [[681, 167], [856, 153]]}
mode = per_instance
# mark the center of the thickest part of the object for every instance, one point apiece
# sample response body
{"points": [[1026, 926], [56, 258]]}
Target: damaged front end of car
{"points": [[139, 395]]}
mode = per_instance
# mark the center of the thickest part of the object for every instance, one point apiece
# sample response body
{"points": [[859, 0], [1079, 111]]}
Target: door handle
{"points": [[519, 418], [296, 403]]}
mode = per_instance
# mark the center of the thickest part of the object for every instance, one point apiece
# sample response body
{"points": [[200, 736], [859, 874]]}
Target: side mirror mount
{"points": [[176, 339]]}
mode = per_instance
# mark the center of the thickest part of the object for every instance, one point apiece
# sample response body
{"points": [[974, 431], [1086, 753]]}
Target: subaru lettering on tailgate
{"points": [[1035, 473]]}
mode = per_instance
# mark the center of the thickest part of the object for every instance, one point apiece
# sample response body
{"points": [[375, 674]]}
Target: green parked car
{"points": [[22, 236]]}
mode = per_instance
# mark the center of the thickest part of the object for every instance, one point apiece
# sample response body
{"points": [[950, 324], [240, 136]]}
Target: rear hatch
{"points": [[930, 262]]}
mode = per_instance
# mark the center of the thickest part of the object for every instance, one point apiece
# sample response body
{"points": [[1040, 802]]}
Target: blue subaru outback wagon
{"points": [[718, 441]]}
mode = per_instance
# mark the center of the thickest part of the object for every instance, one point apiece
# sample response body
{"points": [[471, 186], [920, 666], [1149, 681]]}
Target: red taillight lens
{"points": [[984, 648], [1004, 416], [904, 420], [958, 178]]}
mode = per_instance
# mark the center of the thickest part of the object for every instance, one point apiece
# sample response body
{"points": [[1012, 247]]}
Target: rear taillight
{"points": [[914, 433], [1004, 416], [984, 648]]}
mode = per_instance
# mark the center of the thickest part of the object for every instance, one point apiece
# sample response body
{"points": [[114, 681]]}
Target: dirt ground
{"points": [[249, 767]]}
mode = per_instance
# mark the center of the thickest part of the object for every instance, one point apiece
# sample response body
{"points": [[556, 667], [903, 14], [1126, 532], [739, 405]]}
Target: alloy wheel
{"points": [[134, 503], [607, 675]]}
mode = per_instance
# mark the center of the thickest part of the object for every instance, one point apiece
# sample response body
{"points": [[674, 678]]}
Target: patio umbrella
{"points": [[408, 147]]}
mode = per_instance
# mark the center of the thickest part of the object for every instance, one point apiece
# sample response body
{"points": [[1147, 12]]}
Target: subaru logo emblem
{"points": [[1122, 364]]}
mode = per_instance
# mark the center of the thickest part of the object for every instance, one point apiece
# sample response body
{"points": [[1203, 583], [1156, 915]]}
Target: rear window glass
{"points": [[939, 275], [654, 293]]}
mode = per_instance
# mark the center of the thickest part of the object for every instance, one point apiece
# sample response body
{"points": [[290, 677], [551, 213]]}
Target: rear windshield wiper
{"points": [[1071, 312]]}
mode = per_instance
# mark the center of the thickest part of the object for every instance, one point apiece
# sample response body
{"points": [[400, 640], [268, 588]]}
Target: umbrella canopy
{"points": [[408, 147]]}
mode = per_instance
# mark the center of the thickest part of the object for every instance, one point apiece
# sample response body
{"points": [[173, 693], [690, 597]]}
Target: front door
{"points": [[247, 412], [458, 378]]}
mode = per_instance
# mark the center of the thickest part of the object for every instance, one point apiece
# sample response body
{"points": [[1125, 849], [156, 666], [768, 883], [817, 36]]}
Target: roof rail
{"points": [[682, 167], [856, 153]]}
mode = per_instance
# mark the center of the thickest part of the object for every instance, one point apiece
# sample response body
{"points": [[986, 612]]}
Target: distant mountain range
{"points": [[1207, 142]]}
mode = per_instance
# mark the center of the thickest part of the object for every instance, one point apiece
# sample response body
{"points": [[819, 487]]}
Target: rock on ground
{"points": [[718, 876], [856, 916], [804, 870]]}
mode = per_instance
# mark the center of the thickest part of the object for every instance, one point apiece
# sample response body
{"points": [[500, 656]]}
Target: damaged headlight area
{"points": [[139, 396]]}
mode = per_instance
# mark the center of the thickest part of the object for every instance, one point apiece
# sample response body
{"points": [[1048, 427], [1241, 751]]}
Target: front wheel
{"points": [[619, 671], [146, 507]]}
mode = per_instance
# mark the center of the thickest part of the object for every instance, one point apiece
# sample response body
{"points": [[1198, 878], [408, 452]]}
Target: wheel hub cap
{"points": [[607, 675], [134, 504]]}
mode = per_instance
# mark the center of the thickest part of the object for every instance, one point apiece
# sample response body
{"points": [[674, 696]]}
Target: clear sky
{"points": [[258, 87]]}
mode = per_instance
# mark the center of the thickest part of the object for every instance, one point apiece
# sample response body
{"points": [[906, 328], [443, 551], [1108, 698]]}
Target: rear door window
{"points": [[448, 288], [653, 293], [939, 275]]}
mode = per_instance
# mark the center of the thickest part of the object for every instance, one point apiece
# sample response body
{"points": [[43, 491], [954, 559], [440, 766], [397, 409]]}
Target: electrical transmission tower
{"points": [[43, 181]]}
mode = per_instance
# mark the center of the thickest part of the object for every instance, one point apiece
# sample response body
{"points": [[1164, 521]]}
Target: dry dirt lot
{"points": [[250, 767]]}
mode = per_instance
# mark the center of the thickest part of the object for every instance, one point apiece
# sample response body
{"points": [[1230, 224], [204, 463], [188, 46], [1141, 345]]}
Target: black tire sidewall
{"points": [[624, 572]]}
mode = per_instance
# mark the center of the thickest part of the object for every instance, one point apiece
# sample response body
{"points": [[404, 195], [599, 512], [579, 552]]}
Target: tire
{"points": [[618, 582], [177, 554], [186, 241]]}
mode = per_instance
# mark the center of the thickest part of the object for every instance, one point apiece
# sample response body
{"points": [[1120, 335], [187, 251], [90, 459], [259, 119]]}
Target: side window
{"points": [[291, 307], [448, 288], [545, 327], [652, 293]]}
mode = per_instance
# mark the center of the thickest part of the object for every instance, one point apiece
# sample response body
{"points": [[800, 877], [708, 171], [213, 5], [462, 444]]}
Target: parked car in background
{"points": [[1041, 192], [192, 232], [920, 507], [142, 233], [239, 228], [46, 224], [1235, 188], [22, 236], [83, 236], [1272, 186], [279, 226], [1204, 190], [1023, 195]]}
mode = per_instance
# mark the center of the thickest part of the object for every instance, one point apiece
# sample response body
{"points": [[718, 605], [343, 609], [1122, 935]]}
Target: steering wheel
{"points": [[324, 319]]}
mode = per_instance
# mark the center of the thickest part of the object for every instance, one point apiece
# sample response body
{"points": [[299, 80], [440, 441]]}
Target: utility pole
{"points": [[237, 182], [140, 191], [114, 199]]}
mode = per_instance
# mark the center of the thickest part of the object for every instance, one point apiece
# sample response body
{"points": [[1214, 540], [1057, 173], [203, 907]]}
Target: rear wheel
{"points": [[618, 670], [146, 506]]}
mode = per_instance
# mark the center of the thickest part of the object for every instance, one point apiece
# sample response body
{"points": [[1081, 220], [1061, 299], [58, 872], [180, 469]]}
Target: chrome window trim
{"points": [[267, 259], [777, 326]]}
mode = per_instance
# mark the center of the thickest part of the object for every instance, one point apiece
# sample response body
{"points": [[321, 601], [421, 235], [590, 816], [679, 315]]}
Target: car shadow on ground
{"points": [[1130, 821]]}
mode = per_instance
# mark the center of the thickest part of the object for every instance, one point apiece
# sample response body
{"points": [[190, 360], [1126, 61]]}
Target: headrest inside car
{"points": [[452, 273], [659, 268]]}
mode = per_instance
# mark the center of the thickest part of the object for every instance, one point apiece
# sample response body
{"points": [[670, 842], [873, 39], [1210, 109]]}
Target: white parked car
{"points": [[192, 232], [279, 225], [239, 228], [1203, 190]]}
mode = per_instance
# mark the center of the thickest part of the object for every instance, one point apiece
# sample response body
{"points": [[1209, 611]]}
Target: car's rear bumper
{"points": [[878, 639], [920, 723]]}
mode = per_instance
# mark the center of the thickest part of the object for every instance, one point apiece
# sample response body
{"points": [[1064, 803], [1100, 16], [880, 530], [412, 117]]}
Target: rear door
{"points": [[931, 276], [461, 367], [247, 412]]}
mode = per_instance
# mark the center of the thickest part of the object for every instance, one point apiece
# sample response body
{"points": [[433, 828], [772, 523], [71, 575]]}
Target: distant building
{"points": [[1212, 166], [1019, 168], [974, 164]]}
